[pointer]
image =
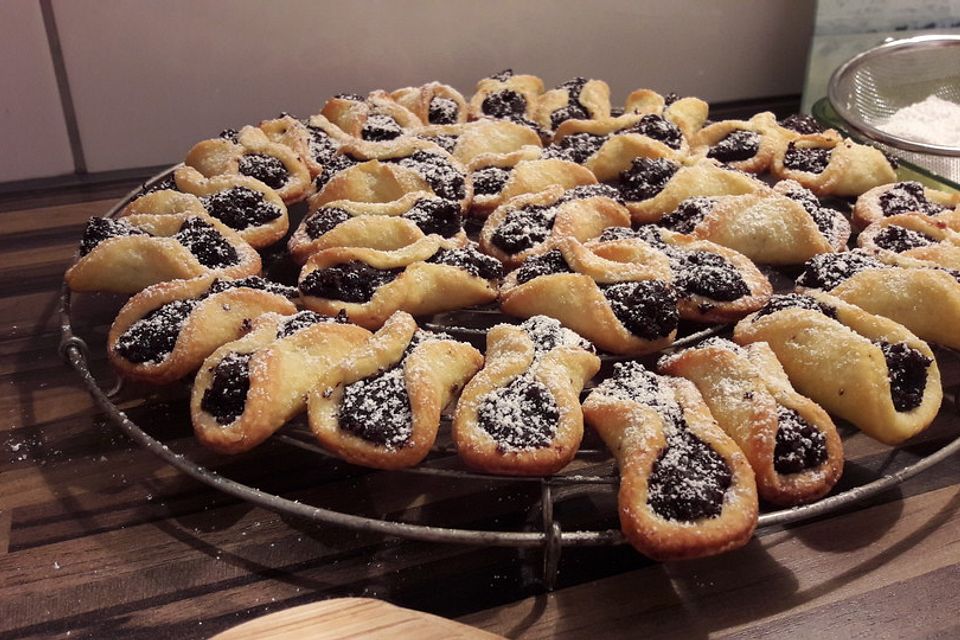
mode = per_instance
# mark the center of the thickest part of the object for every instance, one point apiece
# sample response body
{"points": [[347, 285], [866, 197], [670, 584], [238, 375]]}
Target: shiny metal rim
{"points": [[75, 352], [854, 121]]}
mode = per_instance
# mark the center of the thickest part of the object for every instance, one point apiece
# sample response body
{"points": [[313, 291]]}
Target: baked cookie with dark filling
{"points": [[686, 490], [576, 99], [521, 414], [381, 407], [433, 103], [906, 197]]}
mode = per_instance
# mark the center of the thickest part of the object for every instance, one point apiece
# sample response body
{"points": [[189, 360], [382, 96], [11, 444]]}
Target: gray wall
{"points": [[150, 78]]}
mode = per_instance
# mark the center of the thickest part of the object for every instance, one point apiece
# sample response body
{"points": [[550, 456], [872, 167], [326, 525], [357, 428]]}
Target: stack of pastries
{"points": [[606, 229]]}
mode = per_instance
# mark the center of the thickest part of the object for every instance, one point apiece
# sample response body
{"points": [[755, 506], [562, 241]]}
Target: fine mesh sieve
{"points": [[874, 85]]}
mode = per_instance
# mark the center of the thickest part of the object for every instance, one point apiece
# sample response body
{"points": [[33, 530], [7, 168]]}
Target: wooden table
{"points": [[100, 539]]}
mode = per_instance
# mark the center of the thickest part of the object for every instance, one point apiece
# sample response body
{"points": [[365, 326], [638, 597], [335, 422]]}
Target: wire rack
{"points": [[593, 470]]}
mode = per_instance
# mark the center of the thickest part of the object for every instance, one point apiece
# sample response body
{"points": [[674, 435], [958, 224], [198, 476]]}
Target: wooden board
{"points": [[342, 618]]}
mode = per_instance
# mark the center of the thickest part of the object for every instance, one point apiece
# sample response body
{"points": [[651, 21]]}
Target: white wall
{"points": [[150, 78], [33, 136]]}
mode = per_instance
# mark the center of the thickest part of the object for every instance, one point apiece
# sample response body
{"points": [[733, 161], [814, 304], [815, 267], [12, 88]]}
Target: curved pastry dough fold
{"points": [[483, 142], [906, 197], [686, 490], [914, 235], [520, 415], [377, 118], [247, 389], [168, 329], [533, 223], [139, 250], [425, 371], [246, 205], [253, 154], [851, 362], [745, 145], [376, 225], [314, 139], [408, 280], [507, 95], [791, 443], [577, 99], [575, 295], [433, 103], [768, 227], [830, 165], [689, 113]]}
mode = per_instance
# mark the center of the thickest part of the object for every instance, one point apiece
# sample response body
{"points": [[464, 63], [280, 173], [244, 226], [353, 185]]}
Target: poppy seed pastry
{"points": [[433, 103], [381, 406], [686, 490], [429, 276], [906, 197], [791, 443], [165, 331], [520, 415], [247, 389], [128, 254], [250, 152], [861, 367]]}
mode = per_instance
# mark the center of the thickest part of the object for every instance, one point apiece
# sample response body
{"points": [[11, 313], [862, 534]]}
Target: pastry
{"points": [[747, 145], [861, 367], [532, 176], [607, 145], [914, 235], [686, 490], [490, 173], [921, 297], [791, 443], [906, 197], [244, 204], [427, 277], [168, 329], [781, 226], [249, 152], [483, 142], [247, 389], [381, 406], [714, 283], [433, 103], [689, 114], [577, 99], [315, 140], [617, 294], [830, 165], [508, 96], [385, 226], [521, 414], [128, 254], [384, 172], [532, 223], [377, 118]]}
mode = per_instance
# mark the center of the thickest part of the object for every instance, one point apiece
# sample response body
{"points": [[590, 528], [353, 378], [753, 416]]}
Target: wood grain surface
{"points": [[100, 539]]}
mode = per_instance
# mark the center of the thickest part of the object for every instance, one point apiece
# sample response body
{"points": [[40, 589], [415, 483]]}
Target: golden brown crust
{"points": [[764, 125], [417, 100], [293, 133], [687, 113], [375, 225], [868, 208], [769, 228], [576, 300], [282, 371], [486, 141], [191, 181], [743, 388], [637, 434], [944, 243], [701, 308], [421, 289], [838, 364], [219, 156], [351, 115], [433, 373], [128, 264], [217, 319], [580, 218], [562, 370], [594, 98], [527, 86], [852, 169]]}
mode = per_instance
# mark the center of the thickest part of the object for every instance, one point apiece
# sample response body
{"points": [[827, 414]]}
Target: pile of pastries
{"points": [[603, 228]]}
